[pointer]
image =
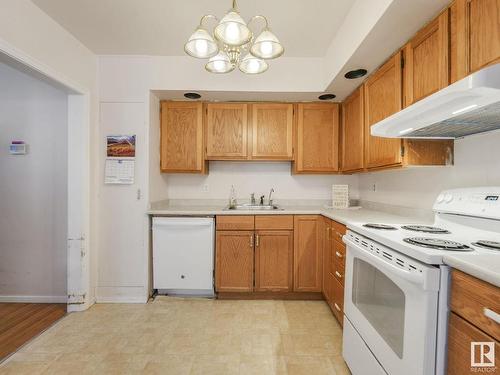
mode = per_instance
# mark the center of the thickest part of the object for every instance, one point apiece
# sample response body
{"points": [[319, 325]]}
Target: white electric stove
{"points": [[396, 286]]}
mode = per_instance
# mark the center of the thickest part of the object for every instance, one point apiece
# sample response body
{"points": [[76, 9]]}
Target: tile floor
{"points": [[186, 336]]}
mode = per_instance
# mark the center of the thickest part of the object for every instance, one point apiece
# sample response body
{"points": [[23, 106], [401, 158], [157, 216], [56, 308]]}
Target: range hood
{"points": [[469, 106]]}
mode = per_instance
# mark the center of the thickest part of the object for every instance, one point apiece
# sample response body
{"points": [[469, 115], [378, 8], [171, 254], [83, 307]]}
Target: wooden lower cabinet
{"points": [[308, 255], [472, 331], [234, 261], [461, 334], [273, 260]]}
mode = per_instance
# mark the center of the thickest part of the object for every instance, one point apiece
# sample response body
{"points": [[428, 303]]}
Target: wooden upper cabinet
{"points": [[353, 131], [426, 59], [226, 131], [182, 138], [234, 261], [383, 91], [475, 34], [272, 126], [317, 138], [273, 260], [308, 253]]}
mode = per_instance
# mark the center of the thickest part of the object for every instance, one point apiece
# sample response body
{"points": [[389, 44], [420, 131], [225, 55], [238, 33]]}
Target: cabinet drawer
{"points": [[235, 222], [275, 222], [338, 301], [460, 336], [339, 247], [471, 297], [339, 273]]}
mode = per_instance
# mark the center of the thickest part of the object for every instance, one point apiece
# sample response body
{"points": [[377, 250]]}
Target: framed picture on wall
{"points": [[120, 146]]}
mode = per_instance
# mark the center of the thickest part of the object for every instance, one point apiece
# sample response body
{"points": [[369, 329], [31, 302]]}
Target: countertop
{"points": [[344, 216], [484, 266]]}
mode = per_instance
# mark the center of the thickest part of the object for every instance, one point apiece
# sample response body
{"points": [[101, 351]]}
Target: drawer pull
{"points": [[257, 240], [339, 235], [251, 240], [338, 274], [491, 315], [338, 254], [336, 307]]}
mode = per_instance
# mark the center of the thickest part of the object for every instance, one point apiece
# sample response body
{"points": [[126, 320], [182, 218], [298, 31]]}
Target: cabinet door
{"points": [[307, 276], [234, 261], [426, 60], [182, 137], [382, 99], [272, 126], [317, 138], [461, 334], [273, 260], [353, 131], [227, 131], [477, 34]]}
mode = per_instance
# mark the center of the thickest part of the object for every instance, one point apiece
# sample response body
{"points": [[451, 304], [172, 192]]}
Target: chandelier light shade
{"points": [[201, 45], [231, 40], [232, 30], [267, 46], [220, 63], [253, 65]]}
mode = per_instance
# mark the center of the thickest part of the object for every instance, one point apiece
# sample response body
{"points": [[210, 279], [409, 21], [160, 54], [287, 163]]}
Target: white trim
{"points": [[33, 299], [121, 299], [121, 294]]}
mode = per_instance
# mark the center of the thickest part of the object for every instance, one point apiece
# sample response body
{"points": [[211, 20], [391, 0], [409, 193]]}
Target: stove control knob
{"points": [[448, 198], [440, 198]]}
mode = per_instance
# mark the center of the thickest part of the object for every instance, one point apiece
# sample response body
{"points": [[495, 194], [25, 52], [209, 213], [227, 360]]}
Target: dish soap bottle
{"points": [[232, 198]]}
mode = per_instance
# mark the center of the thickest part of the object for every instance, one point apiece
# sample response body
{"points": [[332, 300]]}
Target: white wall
{"points": [[477, 163], [30, 36], [254, 177], [33, 190]]}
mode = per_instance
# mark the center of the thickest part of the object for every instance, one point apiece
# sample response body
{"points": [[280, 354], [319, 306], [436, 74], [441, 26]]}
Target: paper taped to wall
{"points": [[119, 171]]}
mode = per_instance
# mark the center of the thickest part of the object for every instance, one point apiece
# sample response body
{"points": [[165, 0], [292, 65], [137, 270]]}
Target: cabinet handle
{"points": [[338, 274], [257, 240], [251, 240], [337, 307], [339, 235], [328, 233], [491, 315], [338, 254]]}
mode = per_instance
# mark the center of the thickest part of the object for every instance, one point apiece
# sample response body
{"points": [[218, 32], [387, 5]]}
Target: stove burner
{"points": [[492, 245], [437, 243], [425, 229], [380, 226]]}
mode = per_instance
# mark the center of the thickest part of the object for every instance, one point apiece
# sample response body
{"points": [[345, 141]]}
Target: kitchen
{"points": [[299, 262]]}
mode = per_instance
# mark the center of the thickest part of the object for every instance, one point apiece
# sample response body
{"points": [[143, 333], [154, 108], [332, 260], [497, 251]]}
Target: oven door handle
{"points": [[413, 277]]}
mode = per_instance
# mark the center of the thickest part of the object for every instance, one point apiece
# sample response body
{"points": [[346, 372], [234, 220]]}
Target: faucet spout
{"points": [[270, 197]]}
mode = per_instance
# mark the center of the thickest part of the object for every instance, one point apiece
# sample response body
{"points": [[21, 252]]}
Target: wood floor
{"points": [[19, 322]]}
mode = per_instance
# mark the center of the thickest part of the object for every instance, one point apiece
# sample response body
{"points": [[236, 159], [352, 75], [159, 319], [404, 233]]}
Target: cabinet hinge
{"points": [[402, 62]]}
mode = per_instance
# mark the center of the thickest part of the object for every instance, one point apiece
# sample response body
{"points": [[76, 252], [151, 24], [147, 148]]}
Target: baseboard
{"points": [[33, 299], [121, 294], [296, 296]]}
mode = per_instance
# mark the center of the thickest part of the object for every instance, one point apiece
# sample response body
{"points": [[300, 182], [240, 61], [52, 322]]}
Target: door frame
{"points": [[80, 294]]}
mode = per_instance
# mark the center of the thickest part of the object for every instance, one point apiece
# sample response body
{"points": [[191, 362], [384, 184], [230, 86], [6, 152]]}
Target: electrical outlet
{"points": [[205, 188]]}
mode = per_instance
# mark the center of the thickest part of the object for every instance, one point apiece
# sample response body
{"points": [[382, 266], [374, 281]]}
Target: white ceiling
{"points": [[160, 27]]}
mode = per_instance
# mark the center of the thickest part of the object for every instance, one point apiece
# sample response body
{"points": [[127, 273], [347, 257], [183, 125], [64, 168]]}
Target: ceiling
{"points": [[160, 27]]}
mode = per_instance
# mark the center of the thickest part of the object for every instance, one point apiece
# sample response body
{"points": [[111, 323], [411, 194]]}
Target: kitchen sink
{"points": [[254, 207]]}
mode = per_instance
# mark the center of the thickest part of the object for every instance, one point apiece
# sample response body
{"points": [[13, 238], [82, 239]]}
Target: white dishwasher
{"points": [[183, 255]]}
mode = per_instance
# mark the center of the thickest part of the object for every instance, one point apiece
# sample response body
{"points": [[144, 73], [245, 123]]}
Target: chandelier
{"points": [[233, 44]]}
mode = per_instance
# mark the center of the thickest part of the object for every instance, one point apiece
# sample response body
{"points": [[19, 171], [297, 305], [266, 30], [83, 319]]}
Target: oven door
{"points": [[393, 310]]}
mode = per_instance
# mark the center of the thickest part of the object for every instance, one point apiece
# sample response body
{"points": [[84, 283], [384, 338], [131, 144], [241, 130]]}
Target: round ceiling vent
{"points": [[192, 95], [327, 97], [353, 74]]}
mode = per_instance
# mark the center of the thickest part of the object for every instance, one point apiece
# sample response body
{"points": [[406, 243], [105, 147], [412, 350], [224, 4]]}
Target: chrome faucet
{"points": [[252, 199], [270, 196]]}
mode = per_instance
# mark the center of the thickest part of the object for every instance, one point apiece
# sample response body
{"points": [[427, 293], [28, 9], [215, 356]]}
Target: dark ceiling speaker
{"points": [[353, 74], [192, 95], [327, 97]]}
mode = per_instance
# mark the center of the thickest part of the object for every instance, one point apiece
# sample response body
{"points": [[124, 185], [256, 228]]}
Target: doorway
{"points": [[43, 202]]}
